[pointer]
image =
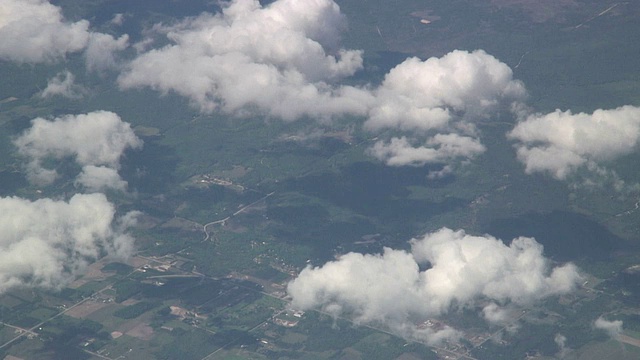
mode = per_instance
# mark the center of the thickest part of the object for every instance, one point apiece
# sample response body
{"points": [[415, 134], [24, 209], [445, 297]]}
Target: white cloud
{"points": [[284, 60], [559, 143], [63, 85], [497, 314], [464, 270], [118, 19], [98, 178], [437, 102], [563, 350], [95, 140], [35, 31], [441, 148], [101, 51], [279, 59], [612, 328], [46, 243], [431, 94]]}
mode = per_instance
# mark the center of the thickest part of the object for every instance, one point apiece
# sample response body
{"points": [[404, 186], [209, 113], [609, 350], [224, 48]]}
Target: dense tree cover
{"points": [[118, 267], [126, 289]]}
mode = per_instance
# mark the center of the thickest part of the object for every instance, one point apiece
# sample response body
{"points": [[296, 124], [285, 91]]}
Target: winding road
{"points": [[222, 221]]}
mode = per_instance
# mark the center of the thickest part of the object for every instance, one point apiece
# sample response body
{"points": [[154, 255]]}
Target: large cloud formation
{"points": [[284, 60], [463, 271], [96, 141], [46, 243], [35, 31], [279, 59], [560, 142]]}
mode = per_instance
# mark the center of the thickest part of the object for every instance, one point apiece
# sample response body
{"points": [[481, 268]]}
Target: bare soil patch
{"points": [[629, 340], [141, 331], [83, 310]]}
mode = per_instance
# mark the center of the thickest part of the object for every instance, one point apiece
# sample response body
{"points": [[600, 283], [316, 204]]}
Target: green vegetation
{"points": [[126, 289], [135, 310], [118, 267], [327, 196], [64, 335], [194, 344]]}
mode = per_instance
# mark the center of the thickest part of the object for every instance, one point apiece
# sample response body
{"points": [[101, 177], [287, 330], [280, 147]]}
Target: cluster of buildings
{"points": [[288, 318]]}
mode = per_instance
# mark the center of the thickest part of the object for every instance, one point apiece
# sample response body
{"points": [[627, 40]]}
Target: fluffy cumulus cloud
{"points": [[35, 31], [46, 243], [96, 141], [424, 95], [462, 271], [440, 148], [612, 328], [437, 102], [63, 85], [98, 178], [280, 59], [561, 142]]}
